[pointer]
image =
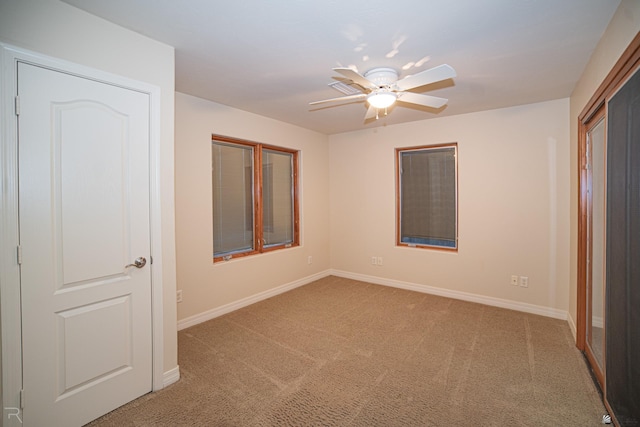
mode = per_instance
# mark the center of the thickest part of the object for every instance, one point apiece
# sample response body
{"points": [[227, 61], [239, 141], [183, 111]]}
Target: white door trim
{"points": [[10, 319]]}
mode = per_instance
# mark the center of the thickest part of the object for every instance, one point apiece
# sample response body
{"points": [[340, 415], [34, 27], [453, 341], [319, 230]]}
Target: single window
{"points": [[278, 197], [255, 207], [427, 196]]}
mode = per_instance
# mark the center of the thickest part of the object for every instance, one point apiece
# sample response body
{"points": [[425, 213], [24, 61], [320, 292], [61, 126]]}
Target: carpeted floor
{"points": [[339, 352]]}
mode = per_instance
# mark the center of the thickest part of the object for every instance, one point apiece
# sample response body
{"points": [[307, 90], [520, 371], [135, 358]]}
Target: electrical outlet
{"points": [[524, 281], [309, 260], [374, 260], [379, 260], [179, 296], [514, 280]]}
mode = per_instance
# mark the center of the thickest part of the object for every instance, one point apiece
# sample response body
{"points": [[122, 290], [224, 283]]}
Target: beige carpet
{"points": [[339, 352]]}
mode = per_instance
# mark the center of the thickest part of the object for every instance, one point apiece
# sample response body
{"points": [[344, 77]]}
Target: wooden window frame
{"points": [[258, 232], [399, 242]]}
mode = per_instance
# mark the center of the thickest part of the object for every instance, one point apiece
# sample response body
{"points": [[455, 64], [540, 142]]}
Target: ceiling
{"points": [[273, 57]]}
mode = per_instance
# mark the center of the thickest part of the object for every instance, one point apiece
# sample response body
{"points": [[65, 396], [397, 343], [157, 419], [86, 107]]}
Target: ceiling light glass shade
{"points": [[382, 99]]}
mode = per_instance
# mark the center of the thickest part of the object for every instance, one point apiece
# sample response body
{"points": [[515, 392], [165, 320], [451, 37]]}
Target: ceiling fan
{"points": [[381, 88]]}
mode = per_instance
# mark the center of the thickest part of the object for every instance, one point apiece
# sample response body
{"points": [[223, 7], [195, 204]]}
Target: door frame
{"points": [[10, 315]]}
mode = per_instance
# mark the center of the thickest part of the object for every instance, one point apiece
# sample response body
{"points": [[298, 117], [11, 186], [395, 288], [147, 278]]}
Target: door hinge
{"points": [[22, 399], [17, 105], [19, 254]]}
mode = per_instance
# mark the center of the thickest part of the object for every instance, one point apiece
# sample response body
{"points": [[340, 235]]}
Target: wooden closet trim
{"points": [[623, 67]]}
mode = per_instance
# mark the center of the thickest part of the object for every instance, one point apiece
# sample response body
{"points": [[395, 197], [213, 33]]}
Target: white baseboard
{"points": [[228, 308], [598, 322], [465, 296], [572, 326], [171, 376]]}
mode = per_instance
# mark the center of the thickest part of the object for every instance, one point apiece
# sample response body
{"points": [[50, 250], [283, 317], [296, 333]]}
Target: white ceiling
{"points": [[273, 57]]}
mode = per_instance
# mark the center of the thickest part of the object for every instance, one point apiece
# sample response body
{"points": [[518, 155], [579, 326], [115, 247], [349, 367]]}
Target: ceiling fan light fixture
{"points": [[382, 99]]}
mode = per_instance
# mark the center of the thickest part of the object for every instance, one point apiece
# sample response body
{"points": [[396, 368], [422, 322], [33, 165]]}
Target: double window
{"points": [[427, 196], [255, 205]]}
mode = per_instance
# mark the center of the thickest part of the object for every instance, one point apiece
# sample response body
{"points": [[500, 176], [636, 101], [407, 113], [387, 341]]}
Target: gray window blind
{"points": [[428, 197], [277, 197], [233, 221]]}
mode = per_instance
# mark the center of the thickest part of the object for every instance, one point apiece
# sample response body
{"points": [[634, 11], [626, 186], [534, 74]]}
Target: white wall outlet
{"points": [[309, 260], [514, 280], [179, 295], [379, 260], [374, 260], [524, 281]]}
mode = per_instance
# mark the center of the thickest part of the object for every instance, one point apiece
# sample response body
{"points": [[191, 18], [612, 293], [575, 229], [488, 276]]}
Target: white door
{"points": [[84, 216]]}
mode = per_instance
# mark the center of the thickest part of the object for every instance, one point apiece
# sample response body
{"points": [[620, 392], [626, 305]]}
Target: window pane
{"points": [[232, 198], [277, 197], [428, 197]]}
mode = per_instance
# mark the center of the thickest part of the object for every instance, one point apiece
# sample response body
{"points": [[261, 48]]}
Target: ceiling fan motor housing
{"points": [[382, 77]]}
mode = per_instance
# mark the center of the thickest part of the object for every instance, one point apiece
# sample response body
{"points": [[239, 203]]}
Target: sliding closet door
{"points": [[623, 254], [595, 251]]}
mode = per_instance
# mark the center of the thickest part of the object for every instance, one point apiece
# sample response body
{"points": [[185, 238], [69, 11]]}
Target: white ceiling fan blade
{"points": [[371, 113], [420, 99], [355, 77], [432, 75], [342, 98]]}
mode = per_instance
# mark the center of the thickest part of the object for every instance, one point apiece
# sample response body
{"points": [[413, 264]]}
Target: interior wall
{"points": [[207, 287], [623, 27], [513, 183], [56, 29]]}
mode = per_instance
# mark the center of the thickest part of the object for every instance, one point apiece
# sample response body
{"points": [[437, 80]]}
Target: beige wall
{"points": [[206, 287], [623, 27], [513, 204], [59, 30]]}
